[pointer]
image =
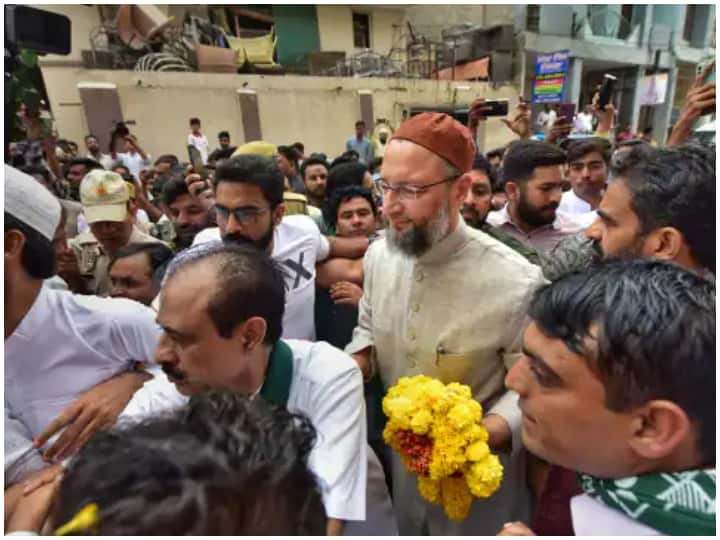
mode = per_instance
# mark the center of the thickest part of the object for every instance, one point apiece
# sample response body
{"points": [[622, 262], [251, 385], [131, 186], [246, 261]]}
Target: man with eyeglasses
{"points": [[249, 209], [588, 162], [444, 300]]}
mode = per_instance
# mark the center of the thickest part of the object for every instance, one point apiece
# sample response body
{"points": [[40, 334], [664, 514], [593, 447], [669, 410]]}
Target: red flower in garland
{"points": [[417, 449]]}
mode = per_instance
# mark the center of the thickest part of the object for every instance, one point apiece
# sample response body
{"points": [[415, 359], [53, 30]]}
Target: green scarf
{"points": [[672, 503], [276, 388]]}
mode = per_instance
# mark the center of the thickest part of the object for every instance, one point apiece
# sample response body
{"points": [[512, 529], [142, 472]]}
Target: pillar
{"points": [[635, 103], [573, 82]]}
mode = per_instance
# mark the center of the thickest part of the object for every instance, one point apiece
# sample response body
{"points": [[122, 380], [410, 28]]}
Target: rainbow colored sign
{"points": [[550, 71]]}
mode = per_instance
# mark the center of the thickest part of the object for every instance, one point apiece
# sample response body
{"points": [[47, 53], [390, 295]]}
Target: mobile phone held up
{"points": [[496, 107], [710, 75], [197, 162], [606, 90]]}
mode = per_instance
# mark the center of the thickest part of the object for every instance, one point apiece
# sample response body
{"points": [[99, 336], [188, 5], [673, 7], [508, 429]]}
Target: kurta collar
{"points": [[276, 388]]}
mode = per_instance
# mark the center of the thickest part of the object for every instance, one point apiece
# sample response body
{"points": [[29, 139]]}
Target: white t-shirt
{"points": [[135, 163], [579, 208], [298, 246], [67, 344], [201, 143]]}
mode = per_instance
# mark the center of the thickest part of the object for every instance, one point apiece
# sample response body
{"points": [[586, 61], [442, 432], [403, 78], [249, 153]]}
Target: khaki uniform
{"points": [[94, 262], [456, 313]]}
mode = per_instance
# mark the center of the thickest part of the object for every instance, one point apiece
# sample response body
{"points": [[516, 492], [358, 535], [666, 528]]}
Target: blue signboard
{"points": [[550, 72]]}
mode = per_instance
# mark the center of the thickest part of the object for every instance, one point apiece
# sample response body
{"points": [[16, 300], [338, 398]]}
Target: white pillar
{"points": [[574, 82]]}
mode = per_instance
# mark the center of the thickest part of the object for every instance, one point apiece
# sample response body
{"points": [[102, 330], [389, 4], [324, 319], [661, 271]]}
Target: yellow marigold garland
{"points": [[437, 431]]}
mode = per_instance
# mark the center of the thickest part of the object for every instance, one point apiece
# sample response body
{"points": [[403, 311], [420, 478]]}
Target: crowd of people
{"points": [[203, 348]]}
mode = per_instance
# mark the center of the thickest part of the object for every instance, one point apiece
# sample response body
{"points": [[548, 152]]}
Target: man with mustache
{"points": [[443, 300], [478, 202], [221, 312], [250, 210], [533, 176], [188, 214], [660, 204]]}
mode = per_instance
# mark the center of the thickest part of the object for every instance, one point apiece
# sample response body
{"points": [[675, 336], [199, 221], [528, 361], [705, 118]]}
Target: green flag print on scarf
{"points": [[672, 503]]}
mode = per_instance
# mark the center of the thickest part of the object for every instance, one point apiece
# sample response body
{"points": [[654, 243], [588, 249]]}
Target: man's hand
{"points": [[200, 189], [40, 478], [560, 129], [344, 292], [477, 113], [515, 528], [96, 409], [700, 100], [519, 123], [606, 118], [33, 508], [499, 433], [362, 358]]}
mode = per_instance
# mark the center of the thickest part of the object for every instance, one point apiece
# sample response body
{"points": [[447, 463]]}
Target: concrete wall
{"points": [[319, 111], [336, 31]]}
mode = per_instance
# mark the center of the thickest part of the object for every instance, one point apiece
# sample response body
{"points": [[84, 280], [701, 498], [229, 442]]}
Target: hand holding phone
{"points": [[606, 90]]}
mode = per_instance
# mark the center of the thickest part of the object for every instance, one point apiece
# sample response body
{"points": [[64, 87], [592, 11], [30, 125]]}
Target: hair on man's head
{"points": [[222, 465], [523, 157], [248, 283], [673, 187], [647, 328], [256, 170]]}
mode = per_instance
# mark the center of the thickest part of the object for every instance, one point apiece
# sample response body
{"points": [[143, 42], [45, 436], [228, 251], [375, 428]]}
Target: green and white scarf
{"points": [[671, 503]]}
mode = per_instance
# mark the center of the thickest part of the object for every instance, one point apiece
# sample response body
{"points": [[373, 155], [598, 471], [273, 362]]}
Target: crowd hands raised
{"points": [[203, 348]]}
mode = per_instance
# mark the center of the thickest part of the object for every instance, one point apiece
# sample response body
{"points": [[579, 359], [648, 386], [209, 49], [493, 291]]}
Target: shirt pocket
{"points": [[452, 365]]}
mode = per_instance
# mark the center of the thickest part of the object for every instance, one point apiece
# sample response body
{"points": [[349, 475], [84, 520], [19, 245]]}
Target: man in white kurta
{"points": [[314, 379], [447, 301], [57, 345]]}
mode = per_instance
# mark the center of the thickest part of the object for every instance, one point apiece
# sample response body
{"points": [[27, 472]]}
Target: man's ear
{"points": [[462, 186], [251, 333], [278, 214], [659, 427], [14, 243], [665, 243], [512, 190]]}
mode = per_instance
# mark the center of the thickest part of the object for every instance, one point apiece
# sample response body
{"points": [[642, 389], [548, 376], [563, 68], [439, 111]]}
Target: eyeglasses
{"points": [[409, 192], [245, 216], [591, 165]]}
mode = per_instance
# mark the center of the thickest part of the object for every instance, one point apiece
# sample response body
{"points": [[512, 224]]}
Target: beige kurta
{"points": [[94, 262], [456, 313]]}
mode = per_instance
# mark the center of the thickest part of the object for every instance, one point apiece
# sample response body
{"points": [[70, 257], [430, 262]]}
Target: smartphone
{"points": [[197, 162], [567, 111], [710, 77], [606, 90], [496, 107]]}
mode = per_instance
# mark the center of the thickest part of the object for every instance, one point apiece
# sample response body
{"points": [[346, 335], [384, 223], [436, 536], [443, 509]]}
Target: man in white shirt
{"points": [[198, 140], [221, 311], [134, 157], [588, 161], [68, 358], [249, 209], [533, 177], [93, 147], [546, 119], [601, 395]]}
